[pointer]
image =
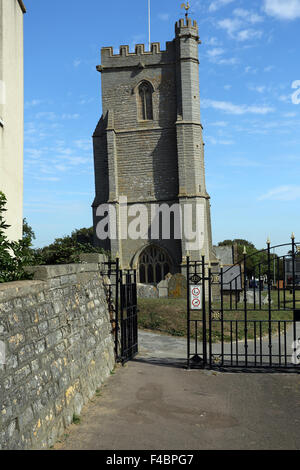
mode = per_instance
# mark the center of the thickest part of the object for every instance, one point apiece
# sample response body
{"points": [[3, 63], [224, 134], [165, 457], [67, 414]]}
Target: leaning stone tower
{"points": [[148, 147]]}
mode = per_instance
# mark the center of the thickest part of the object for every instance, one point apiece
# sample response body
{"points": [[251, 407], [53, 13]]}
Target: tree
{"points": [[84, 235], [14, 256], [237, 241], [256, 260], [28, 233], [67, 249]]}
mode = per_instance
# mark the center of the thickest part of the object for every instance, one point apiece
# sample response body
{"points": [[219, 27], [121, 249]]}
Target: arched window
{"points": [[154, 265], [145, 108]]}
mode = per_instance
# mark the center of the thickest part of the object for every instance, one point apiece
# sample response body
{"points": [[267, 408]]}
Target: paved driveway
{"points": [[154, 403]]}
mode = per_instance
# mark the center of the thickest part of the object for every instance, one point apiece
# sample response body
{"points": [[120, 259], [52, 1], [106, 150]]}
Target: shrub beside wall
{"points": [[59, 349]]}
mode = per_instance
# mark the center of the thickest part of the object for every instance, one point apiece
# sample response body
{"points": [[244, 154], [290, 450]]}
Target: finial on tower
{"points": [[186, 7]]}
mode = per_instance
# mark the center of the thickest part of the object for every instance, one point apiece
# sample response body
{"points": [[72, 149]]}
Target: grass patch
{"points": [[170, 316], [163, 315]]}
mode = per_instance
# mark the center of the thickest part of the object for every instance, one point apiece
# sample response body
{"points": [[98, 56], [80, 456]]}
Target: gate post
{"points": [[204, 341], [122, 306], [245, 308], [209, 316], [188, 310], [117, 329], [294, 285], [270, 301]]}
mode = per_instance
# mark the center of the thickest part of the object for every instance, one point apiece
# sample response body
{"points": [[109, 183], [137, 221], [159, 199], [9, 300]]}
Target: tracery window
{"points": [[154, 265], [145, 107]]}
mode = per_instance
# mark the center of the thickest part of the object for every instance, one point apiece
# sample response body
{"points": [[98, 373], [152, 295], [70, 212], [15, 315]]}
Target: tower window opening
{"points": [[145, 102]]}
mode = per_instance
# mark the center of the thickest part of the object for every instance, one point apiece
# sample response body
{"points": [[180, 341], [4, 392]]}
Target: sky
{"points": [[250, 108]]}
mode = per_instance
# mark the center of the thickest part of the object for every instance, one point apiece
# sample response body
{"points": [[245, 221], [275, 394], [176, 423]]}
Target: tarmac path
{"points": [[154, 403]]}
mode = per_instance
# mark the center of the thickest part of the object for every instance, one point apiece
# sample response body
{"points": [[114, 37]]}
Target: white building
{"points": [[11, 112]]}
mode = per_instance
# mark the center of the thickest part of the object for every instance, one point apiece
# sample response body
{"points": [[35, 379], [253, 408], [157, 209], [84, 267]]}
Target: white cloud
{"points": [[217, 51], [242, 162], [238, 26], [250, 69], [47, 178], [231, 108], [230, 25], [84, 144], [258, 88], [214, 141], [217, 4], [46, 115], [32, 103], [229, 61], [76, 62], [269, 68], [34, 153], [84, 101], [213, 41], [283, 9], [285, 98], [248, 15], [247, 34], [164, 16], [70, 116], [51, 116], [289, 115], [215, 54], [282, 193], [219, 124]]}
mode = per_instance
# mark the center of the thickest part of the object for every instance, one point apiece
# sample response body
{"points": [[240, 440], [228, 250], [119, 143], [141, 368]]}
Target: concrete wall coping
{"points": [[92, 258], [43, 273]]}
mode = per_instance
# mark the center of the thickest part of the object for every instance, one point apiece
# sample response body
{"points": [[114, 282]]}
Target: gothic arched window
{"points": [[154, 265], [145, 108]]}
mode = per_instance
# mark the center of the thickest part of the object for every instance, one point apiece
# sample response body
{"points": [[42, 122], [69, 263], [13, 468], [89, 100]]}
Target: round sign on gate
{"points": [[196, 303], [196, 291]]}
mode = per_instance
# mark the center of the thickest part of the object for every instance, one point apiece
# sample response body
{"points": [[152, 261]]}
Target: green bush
{"points": [[14, 256], [255, 257], [67, 249]]}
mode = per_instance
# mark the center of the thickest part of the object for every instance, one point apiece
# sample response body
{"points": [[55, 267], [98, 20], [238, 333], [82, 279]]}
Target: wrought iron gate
{"points": [[246, 315], [128, 320], [122, 298]]}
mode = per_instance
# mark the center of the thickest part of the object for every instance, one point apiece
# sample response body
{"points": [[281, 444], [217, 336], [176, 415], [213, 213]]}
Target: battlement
{"points": [[186, 26], [139, 56], [142, 57], [108, 52]]}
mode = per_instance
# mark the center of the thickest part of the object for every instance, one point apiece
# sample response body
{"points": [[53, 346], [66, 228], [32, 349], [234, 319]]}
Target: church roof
{"points": [[22, 6]]}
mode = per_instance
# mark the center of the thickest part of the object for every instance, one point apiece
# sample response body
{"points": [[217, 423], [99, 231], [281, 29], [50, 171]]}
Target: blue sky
{"points": [[249, 59]]}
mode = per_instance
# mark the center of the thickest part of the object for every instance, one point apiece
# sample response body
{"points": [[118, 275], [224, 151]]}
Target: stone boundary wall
{"points": [[59, 348]]}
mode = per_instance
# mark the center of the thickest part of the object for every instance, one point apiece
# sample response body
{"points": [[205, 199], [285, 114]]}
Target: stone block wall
{"points": [[59, 349]]}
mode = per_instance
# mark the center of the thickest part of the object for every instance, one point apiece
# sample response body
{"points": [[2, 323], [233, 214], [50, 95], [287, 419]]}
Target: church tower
{"points": [[148, 148]]}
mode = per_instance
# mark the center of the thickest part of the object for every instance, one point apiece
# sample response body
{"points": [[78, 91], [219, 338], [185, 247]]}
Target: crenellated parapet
{"points": [[125, 58], [187, 27]]}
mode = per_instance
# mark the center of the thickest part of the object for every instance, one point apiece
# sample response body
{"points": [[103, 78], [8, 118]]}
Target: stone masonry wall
{"points": [[59, 349]]}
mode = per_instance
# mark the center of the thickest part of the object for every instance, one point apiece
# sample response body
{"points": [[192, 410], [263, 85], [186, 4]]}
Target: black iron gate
{"points": [[128, 320], [247, 315], [123, 307]]}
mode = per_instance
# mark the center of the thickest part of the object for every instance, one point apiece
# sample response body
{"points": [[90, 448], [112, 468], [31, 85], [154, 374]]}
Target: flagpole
{"points": [[149, 23]]}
